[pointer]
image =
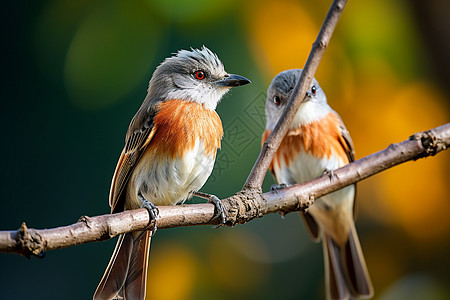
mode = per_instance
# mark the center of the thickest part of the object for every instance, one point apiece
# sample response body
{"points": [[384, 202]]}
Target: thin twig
{"points": [[270, 147], [298, 197]]}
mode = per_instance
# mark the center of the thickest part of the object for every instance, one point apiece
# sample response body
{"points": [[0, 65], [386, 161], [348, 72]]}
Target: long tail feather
{"points": [[135, 284], [336, 285], [355, 267], [126, 273], [345, 269]]}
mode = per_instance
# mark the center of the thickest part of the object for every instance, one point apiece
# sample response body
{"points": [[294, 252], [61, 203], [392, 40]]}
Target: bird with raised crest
{"points": [[169, 153]]}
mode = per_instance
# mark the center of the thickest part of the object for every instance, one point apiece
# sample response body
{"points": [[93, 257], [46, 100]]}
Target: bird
{"points": [[169, 153], [316, 143]]}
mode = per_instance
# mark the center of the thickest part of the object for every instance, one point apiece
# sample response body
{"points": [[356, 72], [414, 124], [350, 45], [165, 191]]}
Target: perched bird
{"points": [[169, 153], [317, 142]]}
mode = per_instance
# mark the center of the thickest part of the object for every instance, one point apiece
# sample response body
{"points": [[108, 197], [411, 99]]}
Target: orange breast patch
{"points": [[179, 124], [321, 138]]}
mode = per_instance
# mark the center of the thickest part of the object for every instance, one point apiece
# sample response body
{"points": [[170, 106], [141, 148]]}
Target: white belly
{"points": [[167, 181], [306, 167]]}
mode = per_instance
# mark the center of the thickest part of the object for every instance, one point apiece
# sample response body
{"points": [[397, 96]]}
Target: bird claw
{"points": [[219, 211], [153, 212], [330, 174], [276, 187]]}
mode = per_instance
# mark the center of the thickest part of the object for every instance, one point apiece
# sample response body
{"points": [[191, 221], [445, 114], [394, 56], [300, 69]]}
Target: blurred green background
{"points": [[75, 72]]}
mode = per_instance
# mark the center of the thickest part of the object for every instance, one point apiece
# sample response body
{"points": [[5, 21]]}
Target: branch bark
{"points": [[249, 203], [30, 242]]}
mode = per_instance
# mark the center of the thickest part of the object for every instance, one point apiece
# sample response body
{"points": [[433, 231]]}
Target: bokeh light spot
{"points": [[193, 11], [281, 34], [372, 28], [410, 195], [416, 287], [230, 262], [172, 272], [110, 54]]}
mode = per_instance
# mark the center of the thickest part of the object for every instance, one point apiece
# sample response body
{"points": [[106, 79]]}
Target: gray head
{"points": [[313, 107], [197, 75]]}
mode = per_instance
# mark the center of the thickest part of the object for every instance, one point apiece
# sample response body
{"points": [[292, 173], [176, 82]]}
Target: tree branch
{"points": [[249, 203], [29, 242], [419, 145], [270, 147]]}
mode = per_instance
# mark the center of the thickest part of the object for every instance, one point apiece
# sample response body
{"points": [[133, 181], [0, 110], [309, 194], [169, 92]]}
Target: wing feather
{"points": [[139, 135], [346, 141]]}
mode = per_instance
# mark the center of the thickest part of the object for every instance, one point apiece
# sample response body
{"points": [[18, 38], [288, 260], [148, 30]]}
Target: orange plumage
{"points": [[321, 138], [179, 124]]}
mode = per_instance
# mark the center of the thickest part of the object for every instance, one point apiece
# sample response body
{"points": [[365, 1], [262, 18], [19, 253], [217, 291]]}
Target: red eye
{"points": [[277, 100], [200, 75], [313, 90]]}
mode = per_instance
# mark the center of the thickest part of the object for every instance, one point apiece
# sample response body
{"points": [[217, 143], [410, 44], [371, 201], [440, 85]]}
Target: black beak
{"points": [[232, 80], [307, 97]]}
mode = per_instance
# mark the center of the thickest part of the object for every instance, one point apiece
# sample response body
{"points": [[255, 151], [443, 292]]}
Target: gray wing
{"points": [[347, 144], [139, 134]]}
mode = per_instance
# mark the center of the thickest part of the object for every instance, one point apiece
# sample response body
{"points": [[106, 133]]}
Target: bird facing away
{"points": [[169, 153], [318, 142]]}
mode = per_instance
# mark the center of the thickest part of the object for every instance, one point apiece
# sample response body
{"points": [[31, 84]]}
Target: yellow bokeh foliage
{"points": [[412, 195], [280, 35], [173, 269]]}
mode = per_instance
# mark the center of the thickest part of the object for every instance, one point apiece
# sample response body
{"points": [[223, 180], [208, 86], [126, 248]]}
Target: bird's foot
{"points": [[330, 174], [276, 187], [219, 211], [153, 212]]}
